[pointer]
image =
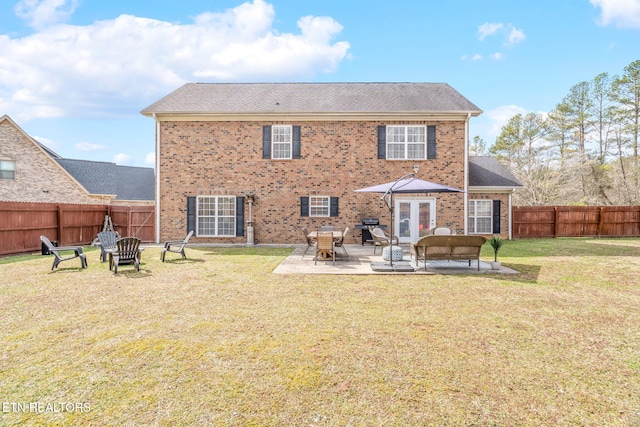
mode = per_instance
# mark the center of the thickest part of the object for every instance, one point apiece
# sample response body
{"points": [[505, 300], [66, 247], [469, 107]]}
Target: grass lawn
{"points": [[218, 340]]}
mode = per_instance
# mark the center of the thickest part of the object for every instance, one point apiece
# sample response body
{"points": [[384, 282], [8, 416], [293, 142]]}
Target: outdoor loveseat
{"points": [[448, 248]]}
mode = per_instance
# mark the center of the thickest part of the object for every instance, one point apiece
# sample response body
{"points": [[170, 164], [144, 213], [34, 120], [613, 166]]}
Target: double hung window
{"points": [[216, 216], [281, 141], [319, 205], [7, 169], [480, 216], [406, 142]]}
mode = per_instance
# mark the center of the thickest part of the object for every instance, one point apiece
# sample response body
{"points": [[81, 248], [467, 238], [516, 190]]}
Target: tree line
{"points": [[583, 152]]}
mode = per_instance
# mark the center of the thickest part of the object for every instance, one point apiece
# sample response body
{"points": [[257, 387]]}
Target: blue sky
{"points": [[74, 74]]}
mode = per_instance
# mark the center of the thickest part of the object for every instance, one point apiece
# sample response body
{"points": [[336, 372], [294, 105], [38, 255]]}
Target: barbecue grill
{"points": [[367, 225]]}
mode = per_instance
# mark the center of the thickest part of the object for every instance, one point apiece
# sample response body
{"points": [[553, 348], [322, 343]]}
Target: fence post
{"points": [[555, 222], [600, 222], [59, 221]]}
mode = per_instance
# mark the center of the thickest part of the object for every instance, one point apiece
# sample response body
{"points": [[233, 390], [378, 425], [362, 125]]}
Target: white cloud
{"points": [[621, 13], [510, 35], [150, 159], [87, 146], [42, 13], [488, 29], [515, 36], [498, 117], [117, 67], [122, 159]]}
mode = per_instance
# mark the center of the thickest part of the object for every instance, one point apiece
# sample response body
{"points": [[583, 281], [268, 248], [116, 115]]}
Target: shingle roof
{"points": [[487, 171], [126, 182], [285, 98]]}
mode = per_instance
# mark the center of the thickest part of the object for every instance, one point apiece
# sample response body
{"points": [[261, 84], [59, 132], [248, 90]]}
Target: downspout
{"points": [[510, 212], [157, 178], [466, 173]]}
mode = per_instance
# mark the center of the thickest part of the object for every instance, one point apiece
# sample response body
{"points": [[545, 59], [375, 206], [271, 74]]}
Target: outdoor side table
{"points": [[389, 252]]}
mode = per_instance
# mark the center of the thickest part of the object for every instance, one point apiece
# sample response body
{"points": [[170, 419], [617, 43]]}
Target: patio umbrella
{"points": [[406, 184]]}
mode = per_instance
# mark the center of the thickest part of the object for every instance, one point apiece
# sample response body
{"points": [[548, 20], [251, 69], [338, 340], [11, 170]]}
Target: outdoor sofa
{"points": [[455, 247]]}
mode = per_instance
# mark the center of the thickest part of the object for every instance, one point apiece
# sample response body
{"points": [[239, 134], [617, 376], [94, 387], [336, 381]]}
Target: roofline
{"points": [[47, 153], [493, 189], [178, 116]]}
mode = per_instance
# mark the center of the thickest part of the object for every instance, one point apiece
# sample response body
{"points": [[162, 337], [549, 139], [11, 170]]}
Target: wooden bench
{"points": [[448, 248]]}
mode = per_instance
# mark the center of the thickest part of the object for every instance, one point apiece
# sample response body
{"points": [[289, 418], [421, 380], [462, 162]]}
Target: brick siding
{"points": [[337, 157], [37, 178]]}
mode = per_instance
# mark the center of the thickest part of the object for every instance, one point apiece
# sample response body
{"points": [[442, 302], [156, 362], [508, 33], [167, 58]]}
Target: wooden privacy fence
{"points": [[22, 224], [576, 221]]}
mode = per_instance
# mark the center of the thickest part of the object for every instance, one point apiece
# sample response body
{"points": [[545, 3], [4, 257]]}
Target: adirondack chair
{"points": [[176, 246], [59, 257], [127, 251], [107, 242]]}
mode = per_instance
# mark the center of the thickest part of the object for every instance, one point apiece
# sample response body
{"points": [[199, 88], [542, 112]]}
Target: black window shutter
{"points": [[382, 142], [296, 142], [333, 206], [266, 142], [191, 214], [496, 217], [304, 206], [239, 216], [431, 142]]}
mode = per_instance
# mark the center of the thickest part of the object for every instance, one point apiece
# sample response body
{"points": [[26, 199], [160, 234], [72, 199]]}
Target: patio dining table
{"points": [[337, 236]]}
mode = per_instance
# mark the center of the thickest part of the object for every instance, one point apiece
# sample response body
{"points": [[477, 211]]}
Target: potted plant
{"points": [[496, 243]]}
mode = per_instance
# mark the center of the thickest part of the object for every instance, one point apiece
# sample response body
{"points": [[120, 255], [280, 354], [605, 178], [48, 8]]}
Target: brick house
{"points": [[30, 172], [288, 156]]}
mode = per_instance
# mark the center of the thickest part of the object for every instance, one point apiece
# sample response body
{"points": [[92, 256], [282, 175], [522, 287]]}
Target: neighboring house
{"points": [[299, 150], [30, 172]]}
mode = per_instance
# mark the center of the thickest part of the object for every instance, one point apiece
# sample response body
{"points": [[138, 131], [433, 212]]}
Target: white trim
{"points": [[187, 116], [216, 214], [406, 143], [290, 127], [328, 198], [157, 178], [465, 198], [510, 220]]}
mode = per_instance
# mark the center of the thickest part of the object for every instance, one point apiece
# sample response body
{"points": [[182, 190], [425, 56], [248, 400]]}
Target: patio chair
{"points": [[380, 238], [326, 228], [59, 257], [127, 251], [107, 242], [443, 231], [311, 243], [325, 246], [340, 243], [176, 246]]}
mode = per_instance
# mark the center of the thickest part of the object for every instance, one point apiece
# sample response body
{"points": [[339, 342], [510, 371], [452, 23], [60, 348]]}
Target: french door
{"points": [[414, 218]]}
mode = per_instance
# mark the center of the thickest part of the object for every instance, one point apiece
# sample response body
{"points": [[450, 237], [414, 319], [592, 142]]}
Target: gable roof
{"points": [[313, 98], [487, 171], [126, 182]]}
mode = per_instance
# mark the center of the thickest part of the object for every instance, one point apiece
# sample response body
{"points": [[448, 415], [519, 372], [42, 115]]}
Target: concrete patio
{"points": [[361, 259]]}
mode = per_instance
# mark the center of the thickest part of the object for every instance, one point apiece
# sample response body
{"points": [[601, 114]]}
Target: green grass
{"points": [[219, 340]]}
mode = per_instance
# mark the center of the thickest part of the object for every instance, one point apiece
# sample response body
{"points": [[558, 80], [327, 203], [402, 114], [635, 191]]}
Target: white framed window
{"points": [[480, 216], [406, 142], [7, 169], [319, 205], [216, 216], [281, 141]]}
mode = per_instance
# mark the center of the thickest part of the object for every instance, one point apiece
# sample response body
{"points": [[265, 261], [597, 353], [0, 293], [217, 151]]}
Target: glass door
{"points": [[414, 218]]}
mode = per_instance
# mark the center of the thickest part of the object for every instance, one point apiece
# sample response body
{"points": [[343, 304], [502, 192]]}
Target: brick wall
{"points": [[37, 178], [504, 208], [225, 158]]}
